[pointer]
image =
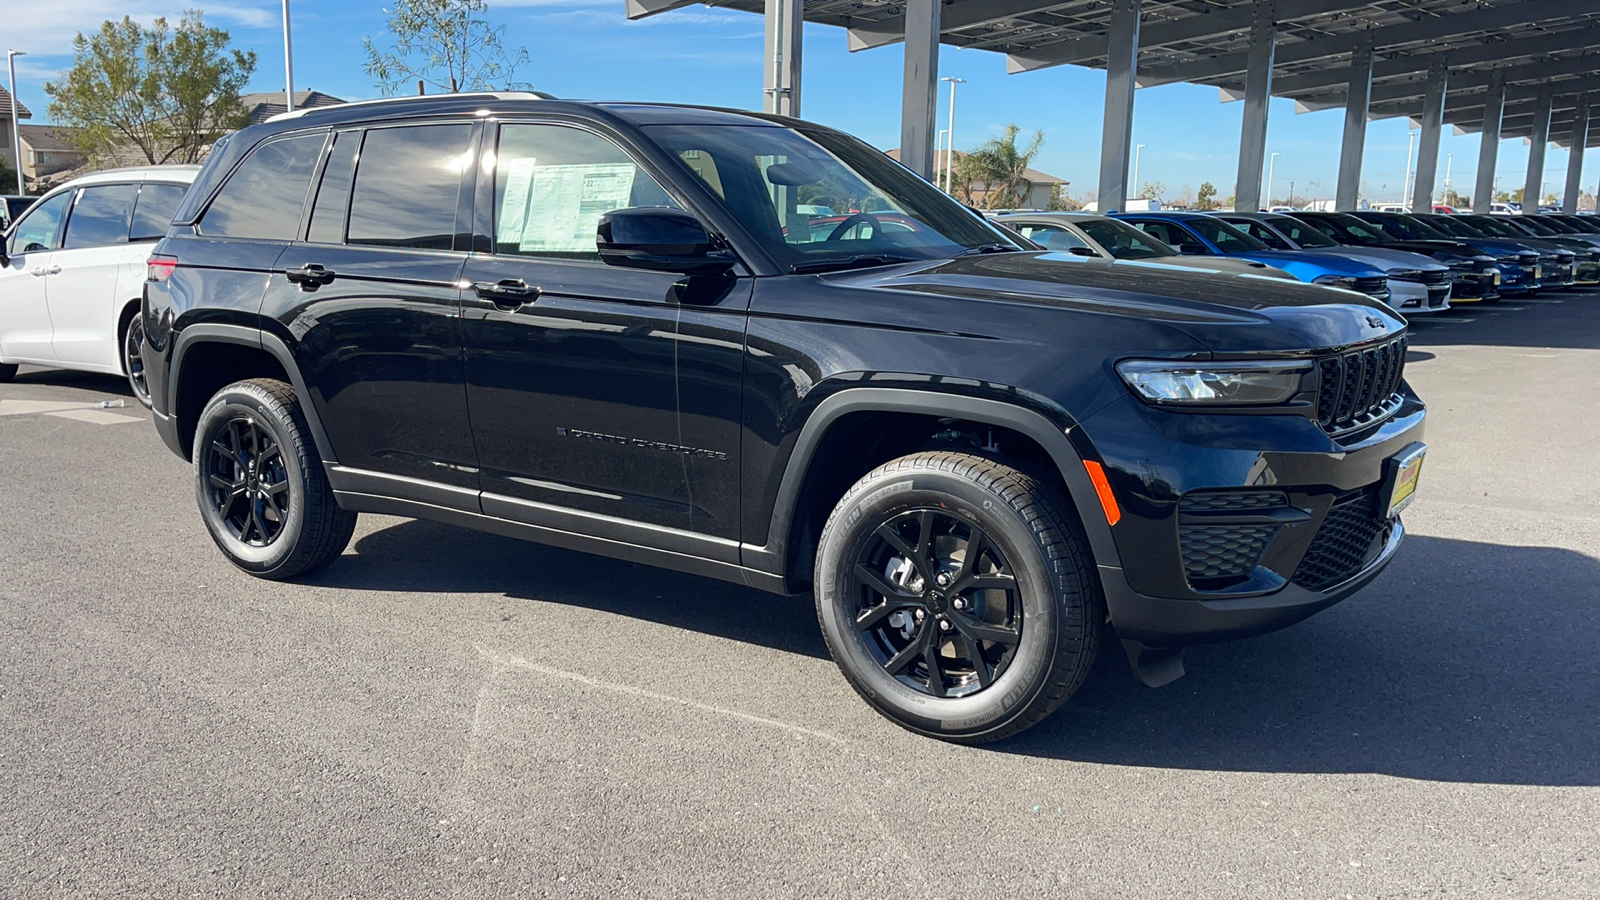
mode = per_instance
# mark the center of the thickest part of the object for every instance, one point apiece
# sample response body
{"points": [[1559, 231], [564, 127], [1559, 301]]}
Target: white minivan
{"points": [[73, 267]]}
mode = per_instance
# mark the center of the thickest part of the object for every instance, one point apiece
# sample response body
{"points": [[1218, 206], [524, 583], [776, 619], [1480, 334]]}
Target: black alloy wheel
{"points": [[248, 482], [937, 603], [133, 359]]}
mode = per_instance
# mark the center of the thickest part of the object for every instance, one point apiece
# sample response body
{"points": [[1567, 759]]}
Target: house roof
{"points": [[5, 107], [48, 137], [1034, 176], [264, 106]]}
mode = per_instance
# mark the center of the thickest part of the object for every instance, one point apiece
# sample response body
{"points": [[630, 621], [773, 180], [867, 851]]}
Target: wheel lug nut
{"points": [[944, 625], [959, 603], [943, 578]]}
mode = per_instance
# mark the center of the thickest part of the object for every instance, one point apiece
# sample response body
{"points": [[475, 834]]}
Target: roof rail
{"points": [[497, 95]]}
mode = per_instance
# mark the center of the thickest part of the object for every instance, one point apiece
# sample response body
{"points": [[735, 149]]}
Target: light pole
{"points": [[1272, 170], [1137, 153], [16, 132], [288, 62], [1405, 186], [1449, 161], [938, 154], [950, 146]]}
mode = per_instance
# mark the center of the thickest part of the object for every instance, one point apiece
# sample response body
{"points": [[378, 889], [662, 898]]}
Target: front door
{"points": [[94, 249], [607, 390], [25, 330]]}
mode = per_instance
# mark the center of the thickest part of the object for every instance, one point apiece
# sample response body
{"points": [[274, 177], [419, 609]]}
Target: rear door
{"points": [[83, 305], [25, 330]]}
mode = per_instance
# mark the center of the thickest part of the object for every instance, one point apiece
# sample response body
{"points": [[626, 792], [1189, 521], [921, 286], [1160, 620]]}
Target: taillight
{"points": [[159, 268]]}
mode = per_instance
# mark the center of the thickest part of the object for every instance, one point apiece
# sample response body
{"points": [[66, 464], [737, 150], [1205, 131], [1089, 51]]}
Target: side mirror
{"points": [[1082, 251], [659, 239], [1189, 249]]}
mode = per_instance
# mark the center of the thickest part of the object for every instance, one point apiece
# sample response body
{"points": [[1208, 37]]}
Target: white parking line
{"points": [[26, 407], [92, 416]]}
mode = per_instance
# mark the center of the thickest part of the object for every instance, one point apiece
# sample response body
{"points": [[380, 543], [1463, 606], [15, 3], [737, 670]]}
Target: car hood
{"points": [[1227, 313], [1387, 259], [1225, 265], [1499, 246], [1299, 260]]}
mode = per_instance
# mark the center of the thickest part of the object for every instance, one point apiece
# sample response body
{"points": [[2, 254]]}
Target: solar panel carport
{"points": [[1506, 68]]}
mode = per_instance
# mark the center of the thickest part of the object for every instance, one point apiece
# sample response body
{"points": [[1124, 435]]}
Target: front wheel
{"points": [[958, 596], [261, 488]]}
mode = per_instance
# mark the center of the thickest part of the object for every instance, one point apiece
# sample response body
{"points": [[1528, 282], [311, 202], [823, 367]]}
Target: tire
{"points": [[8, 371], [261, 489], [132, 344], [1035, 634]]}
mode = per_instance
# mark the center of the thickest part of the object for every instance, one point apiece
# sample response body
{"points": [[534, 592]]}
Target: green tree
{"points": [[8, 176], [1060, 202], [1207, 198], [168, 94], [449, 44], [1000, 167], [1152, 190]]}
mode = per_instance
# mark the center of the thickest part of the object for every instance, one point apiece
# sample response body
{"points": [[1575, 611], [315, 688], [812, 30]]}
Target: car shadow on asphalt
{"points": [[1464, 662], [1553, 318]]}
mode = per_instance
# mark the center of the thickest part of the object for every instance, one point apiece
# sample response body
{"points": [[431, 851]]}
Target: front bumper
{"points": [[1413, 297], [1473, 286]]}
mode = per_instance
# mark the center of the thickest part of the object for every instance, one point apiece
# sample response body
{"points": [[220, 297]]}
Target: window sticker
{"points": [[560, 207]]}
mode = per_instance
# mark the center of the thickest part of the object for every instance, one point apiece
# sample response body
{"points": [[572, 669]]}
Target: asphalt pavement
{"points": [[447, 713]]}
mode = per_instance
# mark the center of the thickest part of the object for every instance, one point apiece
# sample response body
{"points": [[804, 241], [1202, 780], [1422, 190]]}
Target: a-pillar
{"points": [[1116, 136], [917, 102], [1539, 138], [1355, 126], [785, 25], [1432, 126], [1257, 95], [1580, 142], [1494, 106]]}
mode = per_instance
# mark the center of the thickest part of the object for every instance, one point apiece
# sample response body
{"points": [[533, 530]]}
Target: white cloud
{"points": [[51, 25]]}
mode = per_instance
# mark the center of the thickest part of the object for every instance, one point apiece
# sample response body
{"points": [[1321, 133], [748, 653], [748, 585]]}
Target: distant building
{"points": [[8, 152], [266, 105], [1041, 186], [48, 150]]}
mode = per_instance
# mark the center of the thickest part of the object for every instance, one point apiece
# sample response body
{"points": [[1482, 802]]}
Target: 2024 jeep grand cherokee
{"points": [[611, 327]]}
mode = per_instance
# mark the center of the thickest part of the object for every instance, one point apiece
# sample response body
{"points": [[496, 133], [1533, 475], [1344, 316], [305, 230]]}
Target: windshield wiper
{"points": [[989, 248], [861, 260]]}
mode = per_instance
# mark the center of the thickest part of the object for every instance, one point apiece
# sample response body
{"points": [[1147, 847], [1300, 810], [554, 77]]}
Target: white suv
{"points": [[73, 267]]}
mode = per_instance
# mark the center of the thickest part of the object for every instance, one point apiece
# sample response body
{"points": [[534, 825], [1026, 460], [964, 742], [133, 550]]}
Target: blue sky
{"points": [[588, 49]]}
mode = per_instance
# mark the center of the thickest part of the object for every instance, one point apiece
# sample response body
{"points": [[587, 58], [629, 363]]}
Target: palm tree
{"points": [[1001, 168]]}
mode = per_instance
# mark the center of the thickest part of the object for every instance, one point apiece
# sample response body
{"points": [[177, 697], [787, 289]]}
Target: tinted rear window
{"points": [[408, 182], [100, 216], [333, 195], [265, 195], [153, 212]]}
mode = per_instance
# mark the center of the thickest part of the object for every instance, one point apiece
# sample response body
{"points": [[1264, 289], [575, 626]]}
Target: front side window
{"points": [[408, 185], [553, 183], [1052, 237], [1308, 237], [153, 211], [773, 180], [99, 218], [1227, 238], [37, 230], [265, 195], [1263, 234], [1123, 241]]}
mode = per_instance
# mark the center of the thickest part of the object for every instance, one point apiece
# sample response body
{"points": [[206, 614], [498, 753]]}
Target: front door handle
{"points": [[508, 293], [53, 270], [310, 276]]}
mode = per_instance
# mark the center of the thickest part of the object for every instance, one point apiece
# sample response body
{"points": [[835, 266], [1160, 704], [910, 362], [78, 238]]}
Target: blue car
{"points": [[1198, 234], [1521, 265]]}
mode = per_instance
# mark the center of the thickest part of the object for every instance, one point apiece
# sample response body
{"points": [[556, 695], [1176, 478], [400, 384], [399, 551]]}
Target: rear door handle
{"points": [[310, 276], [508, 293]]}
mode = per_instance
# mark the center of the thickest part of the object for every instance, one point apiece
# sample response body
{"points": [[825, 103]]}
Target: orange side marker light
{"points": [[1108, 500]]}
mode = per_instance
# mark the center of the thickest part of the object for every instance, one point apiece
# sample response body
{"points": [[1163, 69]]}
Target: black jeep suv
{"points": [[613, 328]]}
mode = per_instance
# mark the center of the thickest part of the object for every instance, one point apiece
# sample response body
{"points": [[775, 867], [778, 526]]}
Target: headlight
{"points": [[1213, 384], [1338, 281], [1509, 260], [1405, 274], [1467, 264]]}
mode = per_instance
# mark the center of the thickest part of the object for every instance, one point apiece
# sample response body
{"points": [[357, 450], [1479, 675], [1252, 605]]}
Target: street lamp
{"points": [[16, 132], [1272, 170], [1137, 153], [1406, 186], [288, 63], [939, 156], [950, 146]]}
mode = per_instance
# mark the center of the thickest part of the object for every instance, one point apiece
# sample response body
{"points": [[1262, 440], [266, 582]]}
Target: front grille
{"points": [[1232, 501], [1343, 543], [1222, 551], [1372, 286], [1436, 276], [1528, 260], [1360, 387]]}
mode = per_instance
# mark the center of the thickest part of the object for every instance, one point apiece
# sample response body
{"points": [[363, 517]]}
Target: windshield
{"points": [[1307, 237], [1350, 230], [771, 180], [1420, 229], [1455, 227], [1227, 238], [1124, 241], [1493, 227], [1537, 227]]}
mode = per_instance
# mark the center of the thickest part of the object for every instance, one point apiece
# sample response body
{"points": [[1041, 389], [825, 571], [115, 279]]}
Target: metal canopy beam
{"points": [[1478, 19], [1491, 50], [1428, 152], [954, 17], [1223, 21], [1355, 128], [1540, 138], [918, 101], [1580, 141], [1489, 148], [1117, 133], [639, 9], [1258, 93]]}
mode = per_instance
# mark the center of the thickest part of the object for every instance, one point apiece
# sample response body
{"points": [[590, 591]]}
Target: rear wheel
{"points": [[260, 486], [7, 372], [133, 358], [957, 595]]}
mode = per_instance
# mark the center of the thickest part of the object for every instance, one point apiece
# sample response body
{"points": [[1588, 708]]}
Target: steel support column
{"points": [[1257, 94], [1489, 151], [1432, 127], [785, 26], [1116, 135], [1580, 142], [1355, 126], [918, 101], [1539, 139]]}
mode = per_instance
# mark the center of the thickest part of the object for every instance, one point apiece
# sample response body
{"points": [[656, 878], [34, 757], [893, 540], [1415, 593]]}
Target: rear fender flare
{"points": [[216, 332]]}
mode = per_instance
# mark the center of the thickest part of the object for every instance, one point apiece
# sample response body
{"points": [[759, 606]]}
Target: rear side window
{"points": [[333, 195], [153, 211], [408, 184], [37, 229], [265, 195], [99, 218]]}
